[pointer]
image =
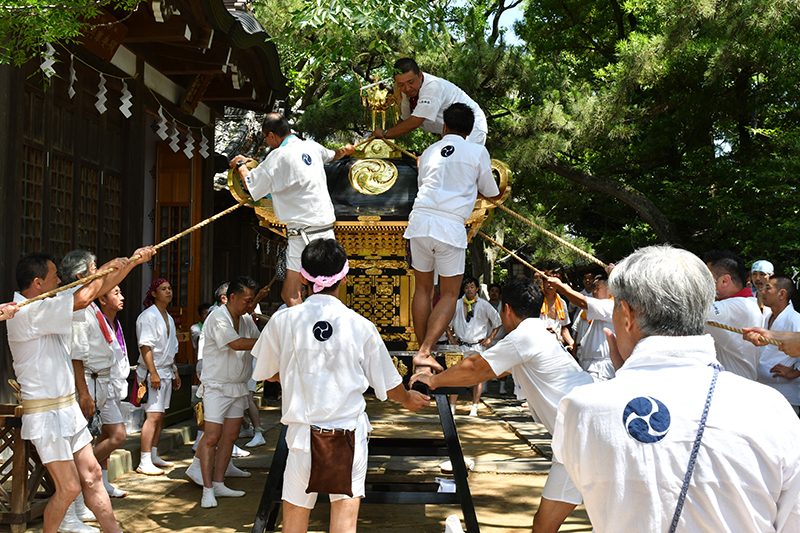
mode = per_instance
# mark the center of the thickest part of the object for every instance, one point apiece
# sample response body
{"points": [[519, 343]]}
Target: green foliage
{"points": [[27, 25]]}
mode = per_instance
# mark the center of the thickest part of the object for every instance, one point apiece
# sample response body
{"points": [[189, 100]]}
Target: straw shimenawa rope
{"points": [[740, 332], [108, 271], [512, 254], [571, 246]]}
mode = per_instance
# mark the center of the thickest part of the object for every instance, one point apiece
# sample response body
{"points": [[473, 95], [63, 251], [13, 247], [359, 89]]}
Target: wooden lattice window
{"points": [[88, 213], [61, 207], [112, 189], [32, 183], [174, 261]]}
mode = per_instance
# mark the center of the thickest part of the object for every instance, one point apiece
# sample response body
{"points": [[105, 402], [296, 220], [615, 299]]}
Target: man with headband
{"points": [[325, 356], [158, 345], [294, 174]]}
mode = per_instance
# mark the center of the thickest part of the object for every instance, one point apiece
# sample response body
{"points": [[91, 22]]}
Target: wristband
{"points": [[240, 163]]}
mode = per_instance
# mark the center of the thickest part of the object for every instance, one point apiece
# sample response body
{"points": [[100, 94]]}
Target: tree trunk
{"points": [[622, 192], [480, 260]]}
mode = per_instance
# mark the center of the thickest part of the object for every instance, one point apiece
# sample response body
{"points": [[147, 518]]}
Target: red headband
{"points": [[148, 300]]}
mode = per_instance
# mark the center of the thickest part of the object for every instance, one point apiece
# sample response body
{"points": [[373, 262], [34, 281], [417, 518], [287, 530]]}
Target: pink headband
{"points": [[323, 282]]}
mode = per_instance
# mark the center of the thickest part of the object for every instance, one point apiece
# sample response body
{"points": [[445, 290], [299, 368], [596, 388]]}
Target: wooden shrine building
{"points": [[115, 149]]}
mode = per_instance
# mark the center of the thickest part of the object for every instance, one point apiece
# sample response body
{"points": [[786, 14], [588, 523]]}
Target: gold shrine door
{"points": [[178, 188]]}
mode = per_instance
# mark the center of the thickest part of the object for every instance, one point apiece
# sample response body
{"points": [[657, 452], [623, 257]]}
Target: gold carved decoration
{"points": [[402, 369], [452, 358], [376, 149], [373, 176]]}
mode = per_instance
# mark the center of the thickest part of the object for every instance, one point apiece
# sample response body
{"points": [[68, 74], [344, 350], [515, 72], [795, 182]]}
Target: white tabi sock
{"points": [[208, 500], [220, 490], [158, 461], [146, 465]]}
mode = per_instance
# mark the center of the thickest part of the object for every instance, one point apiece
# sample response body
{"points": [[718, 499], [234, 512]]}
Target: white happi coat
{"points": [[485, 319], [733, 352], [226, 369], [594, 352], [39, 336], [122, 366], [435, 95], [89, 344], [151, 330], [539, 365], [327, 356], [451, 173], [626, 444], [555, 323], [294, 174], [787, 320]]}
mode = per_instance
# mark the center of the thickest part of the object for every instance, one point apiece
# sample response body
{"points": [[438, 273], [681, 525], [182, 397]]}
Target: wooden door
{"points": [[178, 189]]}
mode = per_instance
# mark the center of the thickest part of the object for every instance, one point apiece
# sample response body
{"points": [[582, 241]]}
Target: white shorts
{"points": [[217, 407], [427, 253], [111, 412], [298, 471], [98, 389], [63, 448], [158, 400], [298, 244], [559, 487]]}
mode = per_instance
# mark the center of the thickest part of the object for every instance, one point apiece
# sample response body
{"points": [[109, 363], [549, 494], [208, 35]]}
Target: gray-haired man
{"points": [[627, 442]]}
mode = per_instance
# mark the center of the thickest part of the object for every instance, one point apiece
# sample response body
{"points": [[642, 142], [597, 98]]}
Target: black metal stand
{"points": [[389, 492]]}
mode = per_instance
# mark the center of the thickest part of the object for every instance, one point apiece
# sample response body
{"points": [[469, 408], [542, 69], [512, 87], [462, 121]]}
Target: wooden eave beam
{"points": [[174, 30]]}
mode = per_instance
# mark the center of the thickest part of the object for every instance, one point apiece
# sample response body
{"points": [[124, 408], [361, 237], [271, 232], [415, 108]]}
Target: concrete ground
{"points": [[511, 454]]}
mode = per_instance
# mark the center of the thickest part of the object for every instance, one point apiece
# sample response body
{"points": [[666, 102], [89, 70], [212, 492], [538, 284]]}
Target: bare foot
{"points": [[426, 360]]}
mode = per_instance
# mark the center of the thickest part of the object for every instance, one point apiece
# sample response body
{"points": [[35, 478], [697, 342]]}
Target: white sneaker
{"points": [[221, 491], [147, 467], [114, 492], [71, 523], [208, 500], [238, 452], [234, 471], [84, 513], [474, 410], [194, 472], [258, 440], [246, 433]]}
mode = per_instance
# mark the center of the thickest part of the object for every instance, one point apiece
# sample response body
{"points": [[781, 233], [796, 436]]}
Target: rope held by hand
{"points": [[89, 279], [740, 332], [509, 252], [553, 236]]}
